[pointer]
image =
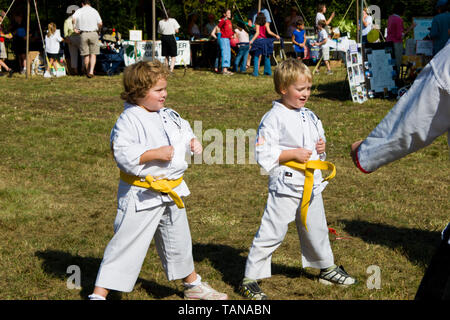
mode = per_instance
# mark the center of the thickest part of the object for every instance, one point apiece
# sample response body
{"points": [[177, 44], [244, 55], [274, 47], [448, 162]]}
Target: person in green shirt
{"points": [[72, 39]]}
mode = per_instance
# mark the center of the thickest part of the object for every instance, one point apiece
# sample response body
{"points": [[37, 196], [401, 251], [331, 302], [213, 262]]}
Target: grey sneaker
{"points": [[203, 291], [329, 72], [336, 276], [250, 289]]}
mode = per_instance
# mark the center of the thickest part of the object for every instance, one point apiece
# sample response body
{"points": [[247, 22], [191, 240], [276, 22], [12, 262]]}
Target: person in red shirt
{"points": [[226, 30], [396, 32]]}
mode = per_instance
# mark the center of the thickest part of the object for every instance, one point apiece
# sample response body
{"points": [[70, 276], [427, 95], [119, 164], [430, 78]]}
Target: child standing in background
{"points": [[52, 47], [244, 47], [3, 53], [299, 39], [216, 34], [324, 48]]}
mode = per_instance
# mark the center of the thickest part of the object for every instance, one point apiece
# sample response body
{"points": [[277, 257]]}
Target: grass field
{"points": [[58, 185]]}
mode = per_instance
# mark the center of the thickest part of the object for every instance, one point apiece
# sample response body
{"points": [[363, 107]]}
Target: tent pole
{"points": [[357, 21], [153, 29], [361, 21], [28, 41]]}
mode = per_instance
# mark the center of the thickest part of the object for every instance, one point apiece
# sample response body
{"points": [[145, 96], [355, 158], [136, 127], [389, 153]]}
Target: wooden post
{"points": [[28, 41], [153, 29]]}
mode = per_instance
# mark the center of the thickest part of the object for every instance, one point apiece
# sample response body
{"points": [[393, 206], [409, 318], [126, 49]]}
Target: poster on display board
{"points": [[380, 68], [355, 73], [135, 51], [422, 28]]}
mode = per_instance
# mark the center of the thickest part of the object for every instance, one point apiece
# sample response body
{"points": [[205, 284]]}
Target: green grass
{"points": [[58, 186]]}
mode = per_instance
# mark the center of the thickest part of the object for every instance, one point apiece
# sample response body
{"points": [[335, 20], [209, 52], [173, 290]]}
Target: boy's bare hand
{"points": [[196, 146], [320, 146], [302, 155], [165, 153]]}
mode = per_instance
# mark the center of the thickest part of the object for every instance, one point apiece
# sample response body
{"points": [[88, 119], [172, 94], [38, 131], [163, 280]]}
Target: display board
{"points": [[380, 68], [142, 51], [422, 28], [355, 73]]}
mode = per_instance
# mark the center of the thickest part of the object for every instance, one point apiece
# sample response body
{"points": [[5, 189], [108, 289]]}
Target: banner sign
{"points": [[142, 51]]}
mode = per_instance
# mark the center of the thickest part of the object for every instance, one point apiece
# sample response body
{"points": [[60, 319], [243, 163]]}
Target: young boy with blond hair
{"points": [[149, 143], [290, 146]]}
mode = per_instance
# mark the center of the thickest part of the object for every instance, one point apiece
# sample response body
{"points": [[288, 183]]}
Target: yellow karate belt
{"points": [[308, 168], [162, 185]]}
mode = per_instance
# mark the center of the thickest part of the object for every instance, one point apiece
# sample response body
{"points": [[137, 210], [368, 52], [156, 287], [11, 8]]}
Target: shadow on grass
{"points": [[418, 245], [225, 259], [333, 90], [231, 264], [55, 263]]}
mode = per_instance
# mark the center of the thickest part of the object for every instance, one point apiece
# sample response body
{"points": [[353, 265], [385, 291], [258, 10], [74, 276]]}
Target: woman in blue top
{"points": [[299, 39]]}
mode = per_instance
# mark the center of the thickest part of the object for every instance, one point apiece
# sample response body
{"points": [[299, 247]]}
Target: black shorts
{"points": [[300, 55], [54, 56], [168, 46]]}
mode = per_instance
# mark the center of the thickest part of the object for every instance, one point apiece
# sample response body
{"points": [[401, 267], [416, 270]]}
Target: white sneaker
{"points": [[336, 276], [95, 296], [203, 292], [47, 74]]}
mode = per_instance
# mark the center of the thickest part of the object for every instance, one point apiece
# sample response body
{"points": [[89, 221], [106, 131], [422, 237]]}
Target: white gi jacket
{"points": [[419, 117], [138, 130], [284, 129]]}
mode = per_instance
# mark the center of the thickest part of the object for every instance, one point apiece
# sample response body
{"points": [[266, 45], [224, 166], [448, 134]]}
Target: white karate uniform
{"points": [[420, 116], [143, 214], [283, 129]]}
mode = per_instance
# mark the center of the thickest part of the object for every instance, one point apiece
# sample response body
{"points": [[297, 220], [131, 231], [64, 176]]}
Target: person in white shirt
{"points": [[367, 23], [168, 27], [419, 117], [290, 134], [52, 48], [240, 62], [321, 9], [149, 144], [87, 22]]}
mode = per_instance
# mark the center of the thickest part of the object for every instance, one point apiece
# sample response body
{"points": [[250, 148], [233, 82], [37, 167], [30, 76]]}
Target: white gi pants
{"points": [[125, 253], [280, 211]]}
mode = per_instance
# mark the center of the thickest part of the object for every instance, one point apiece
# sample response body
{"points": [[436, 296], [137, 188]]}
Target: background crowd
{"points": [[241, 37]]}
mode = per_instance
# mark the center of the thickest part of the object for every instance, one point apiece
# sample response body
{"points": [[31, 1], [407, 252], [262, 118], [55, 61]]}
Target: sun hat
{"points": [[72, 8]]}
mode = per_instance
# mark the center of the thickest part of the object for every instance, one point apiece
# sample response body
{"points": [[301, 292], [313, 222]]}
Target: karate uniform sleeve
{"points": [[126, 148], [189, 135], [419, 117], [322, 156], [267, 149]]}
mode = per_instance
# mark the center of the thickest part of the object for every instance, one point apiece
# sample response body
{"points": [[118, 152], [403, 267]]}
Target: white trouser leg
{"points": [[125, 253], [279, 212], [315, 243], [174, 244]]}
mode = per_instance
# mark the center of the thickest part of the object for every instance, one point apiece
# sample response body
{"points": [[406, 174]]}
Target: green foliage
{"points": [[348, 26]]}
